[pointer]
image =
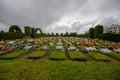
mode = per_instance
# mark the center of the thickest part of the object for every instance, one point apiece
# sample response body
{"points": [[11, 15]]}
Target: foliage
{"points": [[38, 29], [91, 32], [98, 30], [33, 32], [110, 37], [15, 28], [27, 31], [11, 35]]}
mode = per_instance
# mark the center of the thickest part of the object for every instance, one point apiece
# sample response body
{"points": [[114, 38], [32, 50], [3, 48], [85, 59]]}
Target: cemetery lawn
{"points": [[37, 54], [23, 69]]}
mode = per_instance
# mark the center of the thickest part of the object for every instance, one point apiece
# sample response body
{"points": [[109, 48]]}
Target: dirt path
{"points": [[89, 58], [66, 51], [47, 55]]}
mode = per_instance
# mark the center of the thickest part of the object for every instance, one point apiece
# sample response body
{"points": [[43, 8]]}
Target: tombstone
{"points": [[71, 48], [117, 50], [44, 48], [28, 47], [105, 50], [59, 47]]}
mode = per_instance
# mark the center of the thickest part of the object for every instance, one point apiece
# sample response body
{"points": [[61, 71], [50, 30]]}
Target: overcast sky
{"points": [[59, 15]]}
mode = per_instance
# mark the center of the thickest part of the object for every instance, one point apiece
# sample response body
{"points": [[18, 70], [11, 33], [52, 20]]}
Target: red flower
{"points": [[91, 44], [114, 46], [82, 44]]}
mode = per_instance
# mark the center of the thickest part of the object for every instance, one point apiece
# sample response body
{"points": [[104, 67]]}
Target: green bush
{"points": [[15, 28], [110, 37], [11, 35], [27, 31]]}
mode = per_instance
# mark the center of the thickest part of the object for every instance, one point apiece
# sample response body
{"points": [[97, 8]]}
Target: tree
{"points": [[66, 34], [15, 28], [61, 34], [2, 31], [57, 34], [53, 34], [98, 30], [91, 32]]}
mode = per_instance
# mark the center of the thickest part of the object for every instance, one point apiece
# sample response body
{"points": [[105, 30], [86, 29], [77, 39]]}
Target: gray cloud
{"points": [[59, 15]]}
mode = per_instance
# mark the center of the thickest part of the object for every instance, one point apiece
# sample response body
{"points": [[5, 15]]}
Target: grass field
{"points": [[57, 67], [58, 70]]}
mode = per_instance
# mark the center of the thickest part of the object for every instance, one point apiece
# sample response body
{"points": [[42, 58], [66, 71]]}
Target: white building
{"points": [[112, 28]]}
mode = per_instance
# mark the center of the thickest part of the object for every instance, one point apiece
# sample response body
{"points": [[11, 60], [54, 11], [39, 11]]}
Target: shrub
{"points": [[110, 37], [11, 35]]}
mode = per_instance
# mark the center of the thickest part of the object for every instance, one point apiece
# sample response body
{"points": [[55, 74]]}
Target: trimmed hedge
{"points": [[15, 28], [11, 35], [27, 31], [110, 37]]}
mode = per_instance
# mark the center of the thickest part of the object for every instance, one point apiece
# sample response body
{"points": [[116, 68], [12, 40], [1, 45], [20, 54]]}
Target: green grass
{"points": [[57, 55], [57, 70], [2, 52], [14, 54], [37, 54], [99, 56], [114, 55], [77, 56]]}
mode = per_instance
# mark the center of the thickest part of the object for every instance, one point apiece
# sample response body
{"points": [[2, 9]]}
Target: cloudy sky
{"points": [[59, 15]]}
